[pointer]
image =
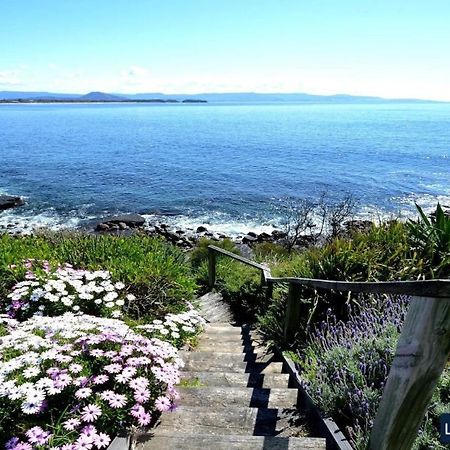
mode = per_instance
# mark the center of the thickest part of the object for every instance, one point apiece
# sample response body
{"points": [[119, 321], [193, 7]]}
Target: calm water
{"points": [[218, 163]]}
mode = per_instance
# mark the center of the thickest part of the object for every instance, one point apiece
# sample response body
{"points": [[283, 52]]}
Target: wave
{"points": [[26, 221]]}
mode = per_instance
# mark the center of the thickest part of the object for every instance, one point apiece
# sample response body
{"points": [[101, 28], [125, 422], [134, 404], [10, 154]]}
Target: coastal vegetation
{"points": [[345, 343], [119, 298], [90, 329]]}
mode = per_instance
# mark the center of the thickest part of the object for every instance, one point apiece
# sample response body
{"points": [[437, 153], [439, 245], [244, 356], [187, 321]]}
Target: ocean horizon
{"points": [[226, 166]]}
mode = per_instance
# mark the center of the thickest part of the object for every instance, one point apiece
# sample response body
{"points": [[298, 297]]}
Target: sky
{"points": [[388, 48]]}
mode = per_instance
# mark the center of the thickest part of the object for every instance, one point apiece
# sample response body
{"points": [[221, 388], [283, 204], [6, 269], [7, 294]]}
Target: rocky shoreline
{"points": [[187, 238]]}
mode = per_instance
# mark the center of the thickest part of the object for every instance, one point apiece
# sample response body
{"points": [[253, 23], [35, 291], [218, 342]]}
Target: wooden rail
{"points": [[422, 351]]}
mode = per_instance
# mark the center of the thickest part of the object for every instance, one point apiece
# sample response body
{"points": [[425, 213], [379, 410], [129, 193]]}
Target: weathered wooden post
{"points": [[211, 268], [422, 353], [293, 307]]}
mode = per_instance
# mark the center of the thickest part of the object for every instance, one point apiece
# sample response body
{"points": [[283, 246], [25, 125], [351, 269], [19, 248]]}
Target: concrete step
{"points": [[228, 420], [229, 362], [230, 442], [269, 380], [238, 396]]}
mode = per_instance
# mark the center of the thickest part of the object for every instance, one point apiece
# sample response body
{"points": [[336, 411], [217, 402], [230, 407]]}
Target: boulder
{"points": [[252, 234], [277, 234], [358, 225], [201, 229], [247, 239], [123, 222], [264, 237], [9, 201], [102, 227]]}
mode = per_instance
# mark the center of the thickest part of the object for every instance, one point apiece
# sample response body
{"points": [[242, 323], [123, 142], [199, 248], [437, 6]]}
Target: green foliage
{"points": [[239, 284], [159, 274], [428, 438], [270, 252], [200, 253], [430, 241]]}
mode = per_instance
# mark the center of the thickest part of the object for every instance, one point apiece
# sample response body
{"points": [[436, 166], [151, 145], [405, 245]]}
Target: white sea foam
{"points": [[27, 223], [217, 223]]}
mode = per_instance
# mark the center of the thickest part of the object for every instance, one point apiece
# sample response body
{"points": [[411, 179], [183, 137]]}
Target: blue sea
{"points": [[224, 165]]}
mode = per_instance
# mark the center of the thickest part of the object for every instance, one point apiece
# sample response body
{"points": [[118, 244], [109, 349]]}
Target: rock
{"points": [[9, 201], [277, 234], [129, 220], [102, 227], [245, 251], [171, 236], [123, 225], [180, 232], [201, 229], [264, 237], [358, 225], [252, 234], [247, 239]]}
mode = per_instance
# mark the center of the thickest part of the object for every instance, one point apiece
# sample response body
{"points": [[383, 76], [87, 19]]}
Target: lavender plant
{"points": [[345, 366]]}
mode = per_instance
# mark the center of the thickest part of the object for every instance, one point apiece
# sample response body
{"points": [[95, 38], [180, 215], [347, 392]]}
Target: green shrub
{"points": [[430, 243], [200, 253]]}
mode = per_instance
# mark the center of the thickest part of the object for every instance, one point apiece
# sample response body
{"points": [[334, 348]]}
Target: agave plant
{"points": [[430, 242]]}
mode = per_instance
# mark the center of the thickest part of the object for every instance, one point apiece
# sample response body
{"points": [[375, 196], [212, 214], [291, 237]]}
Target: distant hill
{"points": [[14, 95], [230, 97], [101, 97], [255, 97]]}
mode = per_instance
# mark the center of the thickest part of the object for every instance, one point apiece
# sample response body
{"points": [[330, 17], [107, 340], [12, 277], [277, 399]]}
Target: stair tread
{"points": [[238, 420], [238, 396], [237, 379], [166, 441]]}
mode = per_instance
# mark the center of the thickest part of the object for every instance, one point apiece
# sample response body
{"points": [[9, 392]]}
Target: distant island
{"points": [[91, 97], [230, 97]]}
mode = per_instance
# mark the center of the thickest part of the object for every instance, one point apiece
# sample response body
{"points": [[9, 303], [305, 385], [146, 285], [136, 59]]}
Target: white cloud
{"points": [[10, 78], [314, 80]]}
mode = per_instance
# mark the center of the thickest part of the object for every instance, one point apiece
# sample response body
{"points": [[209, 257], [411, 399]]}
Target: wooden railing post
{"points": [[291, 320], [211, 268], [422, 353]]}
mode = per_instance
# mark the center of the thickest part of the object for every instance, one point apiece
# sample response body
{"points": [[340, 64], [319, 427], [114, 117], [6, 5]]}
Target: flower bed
{"points": [[75, 382], [51, 291], [176, 328], [72, 375]]}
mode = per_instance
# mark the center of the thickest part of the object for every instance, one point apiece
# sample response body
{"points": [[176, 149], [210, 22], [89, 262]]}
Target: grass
{"points": [[191, 383]]}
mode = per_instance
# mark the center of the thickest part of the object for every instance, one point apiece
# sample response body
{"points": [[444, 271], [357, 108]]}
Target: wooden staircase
{"points": [[234, 395]]}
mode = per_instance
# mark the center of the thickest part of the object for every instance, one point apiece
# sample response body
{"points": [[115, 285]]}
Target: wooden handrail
{"points": [[422, 351], [239, 258], [429, 288]]}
